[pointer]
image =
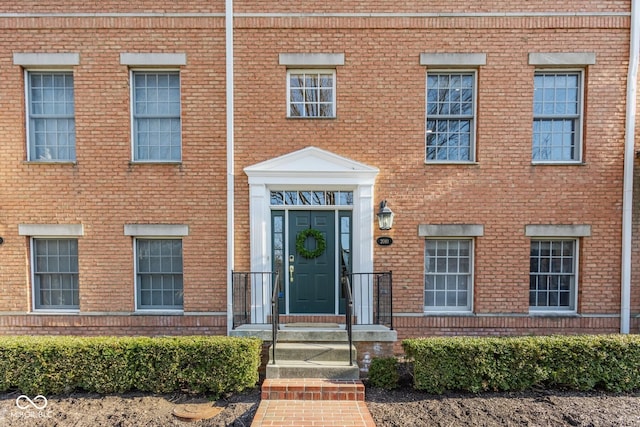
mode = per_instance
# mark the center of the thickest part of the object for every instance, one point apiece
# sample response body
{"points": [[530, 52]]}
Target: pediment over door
{"points": [[309, 164]]}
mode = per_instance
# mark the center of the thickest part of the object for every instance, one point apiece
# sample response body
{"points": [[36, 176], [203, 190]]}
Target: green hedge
{"points": [[54, 365], [586, 362], [383, 373]]}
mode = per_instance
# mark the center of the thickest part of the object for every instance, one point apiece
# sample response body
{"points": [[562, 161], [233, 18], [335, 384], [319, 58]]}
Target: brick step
{"points": [[312, 389]]}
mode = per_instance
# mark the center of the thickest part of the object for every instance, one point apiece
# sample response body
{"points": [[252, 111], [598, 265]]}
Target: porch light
{"points": [[385, 216]]}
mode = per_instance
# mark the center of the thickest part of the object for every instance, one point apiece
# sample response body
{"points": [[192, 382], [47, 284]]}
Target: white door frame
{"points": [[311, 168]]}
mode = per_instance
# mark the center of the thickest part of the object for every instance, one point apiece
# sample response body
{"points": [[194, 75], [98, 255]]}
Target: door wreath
{"points": [[301, 238]]}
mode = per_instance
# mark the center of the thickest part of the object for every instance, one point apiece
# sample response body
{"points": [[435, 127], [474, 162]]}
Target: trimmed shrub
{"points": [[609, 362], [383, 373], [54, 365]]}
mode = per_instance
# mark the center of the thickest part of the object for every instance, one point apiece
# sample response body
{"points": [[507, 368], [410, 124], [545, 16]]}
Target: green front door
{"points": [[312, 279]]}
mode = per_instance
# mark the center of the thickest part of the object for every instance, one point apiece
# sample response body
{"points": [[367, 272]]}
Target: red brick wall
{"points": [[103, 190], [380, 122]]}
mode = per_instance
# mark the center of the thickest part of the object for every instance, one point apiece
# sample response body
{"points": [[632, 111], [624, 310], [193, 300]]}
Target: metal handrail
{"points": [[349, 306], [275, 315]]}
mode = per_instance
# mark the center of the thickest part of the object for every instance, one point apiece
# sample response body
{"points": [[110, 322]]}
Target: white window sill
{"points": [[444, 162], [158, 312], [563, 163], [553, 313], [311, 117], [155, 162], [49, 311], [430, 313], [50, 162]]}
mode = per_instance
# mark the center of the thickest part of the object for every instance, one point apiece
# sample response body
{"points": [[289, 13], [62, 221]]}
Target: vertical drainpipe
{"points": [[228, 25], [629, 155]]}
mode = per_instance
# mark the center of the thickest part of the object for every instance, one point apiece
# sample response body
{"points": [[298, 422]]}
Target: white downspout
{"points": [[629, 155], [228, 25]]}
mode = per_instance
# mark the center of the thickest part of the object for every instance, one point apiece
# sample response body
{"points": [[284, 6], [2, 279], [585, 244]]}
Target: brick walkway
{"points": [[312, 402]]}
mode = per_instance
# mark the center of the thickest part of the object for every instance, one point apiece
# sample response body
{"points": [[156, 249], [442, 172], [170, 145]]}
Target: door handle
{"points": [[291, 268]]}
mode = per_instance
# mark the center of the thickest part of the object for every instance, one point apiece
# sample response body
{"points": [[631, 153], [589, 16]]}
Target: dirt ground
{"points": [[402, 407]]}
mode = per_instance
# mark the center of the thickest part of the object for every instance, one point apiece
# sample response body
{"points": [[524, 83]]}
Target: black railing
{"points": [[346, 286], [244, 298], [374, 290], [275, 315]]}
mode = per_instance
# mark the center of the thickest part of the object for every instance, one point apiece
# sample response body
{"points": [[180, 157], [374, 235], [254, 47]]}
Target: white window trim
{"points": [[27, 113], [311, 60], [153, 311], [331, 71], [470, 292], [474, 121], [46, 60], [48, 310], [132, 116], [554, 311], [153, 59], [51, 230], [160, 231], [580, 125]]}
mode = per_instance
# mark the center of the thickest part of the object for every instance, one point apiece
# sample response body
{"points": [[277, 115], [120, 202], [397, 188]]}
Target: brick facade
{"points": [[380, 121]]}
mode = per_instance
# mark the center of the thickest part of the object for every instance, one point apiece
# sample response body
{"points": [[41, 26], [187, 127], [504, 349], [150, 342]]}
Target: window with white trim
{"points": [[557, 116], [55, 274], [552, 277], [50, 116], [156, 116], [448, 266], [159, 276], [450, 117], [311, 93]]}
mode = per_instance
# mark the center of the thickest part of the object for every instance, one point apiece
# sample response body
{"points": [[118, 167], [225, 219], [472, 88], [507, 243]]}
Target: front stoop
{"points": [[312, 353], [312, 389]]}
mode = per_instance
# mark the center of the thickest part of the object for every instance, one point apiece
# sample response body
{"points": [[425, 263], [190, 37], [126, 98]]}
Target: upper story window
{"points": [[50, 116], [451, 105], [450, 116], [311, 83], [50, 110], [311, 93], [558, 88], [156, 116], [557, 116]]}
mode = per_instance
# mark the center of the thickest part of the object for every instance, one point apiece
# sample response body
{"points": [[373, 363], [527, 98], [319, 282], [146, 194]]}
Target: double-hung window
{"points": [[156, 116], [448, 274], [55, 273], [311, 93], [450, 126], [50, 116], [552, 276], [557, 114], [159, 276]]}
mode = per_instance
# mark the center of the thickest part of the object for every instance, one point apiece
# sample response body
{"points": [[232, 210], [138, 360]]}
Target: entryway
{"points": [[332, 188], [310, 248]]}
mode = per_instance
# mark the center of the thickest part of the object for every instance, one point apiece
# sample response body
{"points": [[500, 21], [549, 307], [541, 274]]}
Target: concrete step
{"points": [[321, 351], [312, 389], [330, 370], [312, 335]]}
